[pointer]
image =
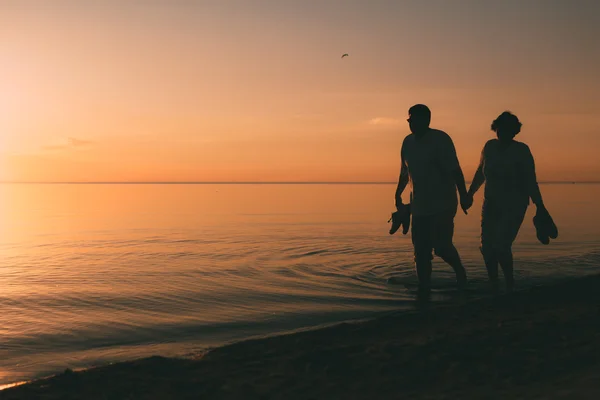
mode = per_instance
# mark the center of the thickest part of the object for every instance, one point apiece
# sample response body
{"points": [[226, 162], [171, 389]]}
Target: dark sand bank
{"points": [[540, 343]]}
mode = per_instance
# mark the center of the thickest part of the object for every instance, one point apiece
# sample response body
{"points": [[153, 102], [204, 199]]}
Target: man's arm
{"points": [[465, 201], [450, 163], [403, 180], [459, 179]]}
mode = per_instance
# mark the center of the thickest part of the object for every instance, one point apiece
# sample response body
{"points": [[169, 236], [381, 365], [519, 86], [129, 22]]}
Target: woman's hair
{"points": [[507, 121]]}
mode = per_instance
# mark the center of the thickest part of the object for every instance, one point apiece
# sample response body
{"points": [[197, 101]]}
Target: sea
{"points": [[92, 274]]}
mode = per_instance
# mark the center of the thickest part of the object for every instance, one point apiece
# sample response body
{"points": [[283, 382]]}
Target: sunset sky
{"points": [[255, 90]]}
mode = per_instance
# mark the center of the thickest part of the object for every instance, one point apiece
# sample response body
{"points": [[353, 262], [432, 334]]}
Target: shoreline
{"points": [[540, 342]]}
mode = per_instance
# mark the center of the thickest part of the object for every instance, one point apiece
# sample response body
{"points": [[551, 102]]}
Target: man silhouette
{"points": [[430, 163]]}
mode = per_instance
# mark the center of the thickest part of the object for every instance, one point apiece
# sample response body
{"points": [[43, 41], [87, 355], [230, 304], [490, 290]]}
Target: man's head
{"points": [[419, 117]]}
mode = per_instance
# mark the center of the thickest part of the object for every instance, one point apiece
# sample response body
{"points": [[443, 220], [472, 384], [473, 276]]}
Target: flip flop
{"points": [[400, 219], [551, 226], [540, 232], [545, 228]]}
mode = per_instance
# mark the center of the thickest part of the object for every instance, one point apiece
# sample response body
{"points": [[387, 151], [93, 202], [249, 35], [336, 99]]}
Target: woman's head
{"points": [[506, 126]]}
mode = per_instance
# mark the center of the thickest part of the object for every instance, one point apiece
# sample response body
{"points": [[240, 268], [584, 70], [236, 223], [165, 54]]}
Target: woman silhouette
{"points": [[508, 169]]}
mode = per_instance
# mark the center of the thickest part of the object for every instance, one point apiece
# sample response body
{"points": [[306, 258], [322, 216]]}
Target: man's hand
{"points": [[400, 206], [466, 202]]}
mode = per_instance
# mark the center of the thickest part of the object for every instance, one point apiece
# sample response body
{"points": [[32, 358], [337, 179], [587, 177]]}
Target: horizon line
{"points": [[236, 182]]}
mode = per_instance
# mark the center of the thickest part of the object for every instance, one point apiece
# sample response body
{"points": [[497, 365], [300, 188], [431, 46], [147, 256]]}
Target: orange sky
{"points": [[257, 91]]}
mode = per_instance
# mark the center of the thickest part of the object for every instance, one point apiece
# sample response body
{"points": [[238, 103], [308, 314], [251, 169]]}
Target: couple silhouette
{"points": [[429, 162]]}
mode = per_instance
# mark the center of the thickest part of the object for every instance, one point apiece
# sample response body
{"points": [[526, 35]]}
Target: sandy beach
{"points": [[540, 343]]}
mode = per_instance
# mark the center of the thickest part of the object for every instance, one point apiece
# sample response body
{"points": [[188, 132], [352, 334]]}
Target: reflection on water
{"points": [[97, 273]]}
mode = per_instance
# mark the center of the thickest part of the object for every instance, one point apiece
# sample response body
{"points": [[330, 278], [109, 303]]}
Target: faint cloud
{"points": [[384, 121], [68, 143], [308, 116], [73, 142]]}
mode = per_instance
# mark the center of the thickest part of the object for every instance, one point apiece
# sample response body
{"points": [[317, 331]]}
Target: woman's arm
{"points": [[479, 177], [533, 189]]}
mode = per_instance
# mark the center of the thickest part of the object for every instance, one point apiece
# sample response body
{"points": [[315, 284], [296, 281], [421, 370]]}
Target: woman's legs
{"points": [[505, 258], [507, 230], [489, 222], [491, 264]]}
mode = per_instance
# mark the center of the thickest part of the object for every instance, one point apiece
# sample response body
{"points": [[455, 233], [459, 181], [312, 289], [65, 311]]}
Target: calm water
{"points": [[91, 274]]}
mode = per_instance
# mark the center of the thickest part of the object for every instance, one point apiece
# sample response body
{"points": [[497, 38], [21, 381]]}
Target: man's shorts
{"points": [[432, 232]]}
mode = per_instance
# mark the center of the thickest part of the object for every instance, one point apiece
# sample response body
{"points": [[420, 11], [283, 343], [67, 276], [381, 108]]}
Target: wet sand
{"points": [[540, 343]]}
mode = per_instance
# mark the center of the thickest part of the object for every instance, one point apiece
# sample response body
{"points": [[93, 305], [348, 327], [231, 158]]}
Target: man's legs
{"points": [[450, 256], [444, 248], [422, 235]]}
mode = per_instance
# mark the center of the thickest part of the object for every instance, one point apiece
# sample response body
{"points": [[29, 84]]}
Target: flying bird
{"points": [[345, 55]]}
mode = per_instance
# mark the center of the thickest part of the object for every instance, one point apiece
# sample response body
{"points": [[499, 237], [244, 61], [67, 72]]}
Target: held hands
{"points": [[541, 207], [466, 202]]}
